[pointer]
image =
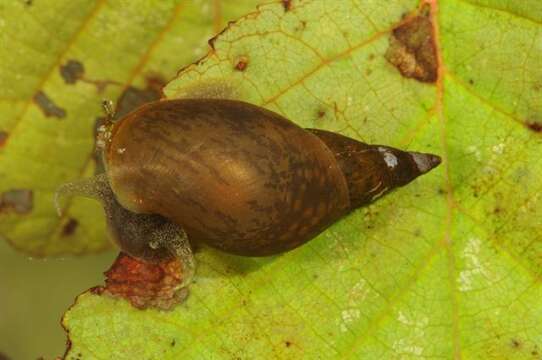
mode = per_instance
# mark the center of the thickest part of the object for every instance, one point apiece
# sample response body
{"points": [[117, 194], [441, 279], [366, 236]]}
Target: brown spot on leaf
{"points": [[48, 107], [70, 227], [72, 71], [242, 63], [20, 201], [143, 284], [515, 343], [155, 82], [534, 126], [4, 356], [321, 113], [288, 343], [302, 26], [412, 48], [471, 82], [287, 5], [3, 138], [133, 97]]}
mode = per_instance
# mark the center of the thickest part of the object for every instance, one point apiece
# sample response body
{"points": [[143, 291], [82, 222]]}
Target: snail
{"points": [[233, 176]]}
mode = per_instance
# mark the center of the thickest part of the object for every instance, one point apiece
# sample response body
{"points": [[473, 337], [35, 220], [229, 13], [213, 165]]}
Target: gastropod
{"points": [[233, 176]]}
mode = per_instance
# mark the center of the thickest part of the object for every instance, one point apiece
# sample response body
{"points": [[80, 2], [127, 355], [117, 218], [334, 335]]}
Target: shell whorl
{"points": [[372, 171]]}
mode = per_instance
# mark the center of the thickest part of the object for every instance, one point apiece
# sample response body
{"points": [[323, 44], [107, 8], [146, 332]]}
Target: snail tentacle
{"points": [[149, 237], [96, 187]]}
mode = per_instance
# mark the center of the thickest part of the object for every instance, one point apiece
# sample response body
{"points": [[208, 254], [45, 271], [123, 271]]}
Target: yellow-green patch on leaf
{"points": [[447, 267]]}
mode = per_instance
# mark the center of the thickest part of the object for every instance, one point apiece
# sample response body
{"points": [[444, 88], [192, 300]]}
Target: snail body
{"points": [[236, 177]]}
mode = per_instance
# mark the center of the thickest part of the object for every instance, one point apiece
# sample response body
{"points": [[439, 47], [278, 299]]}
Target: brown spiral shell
{"points": [[243, 179]]}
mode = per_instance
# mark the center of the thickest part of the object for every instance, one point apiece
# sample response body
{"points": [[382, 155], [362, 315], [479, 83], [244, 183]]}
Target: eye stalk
{"points": [[103, 136], [107, 106]]}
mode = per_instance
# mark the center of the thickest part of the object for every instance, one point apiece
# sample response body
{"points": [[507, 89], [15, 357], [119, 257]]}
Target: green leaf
{"points": [[446, 267], [50, 106]]}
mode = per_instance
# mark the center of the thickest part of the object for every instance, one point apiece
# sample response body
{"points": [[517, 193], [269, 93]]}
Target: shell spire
{"points": [[374, 170]]}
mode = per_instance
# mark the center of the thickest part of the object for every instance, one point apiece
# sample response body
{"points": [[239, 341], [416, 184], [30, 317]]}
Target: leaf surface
{"points": [[447, 267]]}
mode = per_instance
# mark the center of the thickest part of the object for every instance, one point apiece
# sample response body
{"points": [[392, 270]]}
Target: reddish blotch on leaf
{"points": [[143, 284]]}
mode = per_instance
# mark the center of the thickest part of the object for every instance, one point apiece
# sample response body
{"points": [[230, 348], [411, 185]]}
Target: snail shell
{"points": [[237, 177]]}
